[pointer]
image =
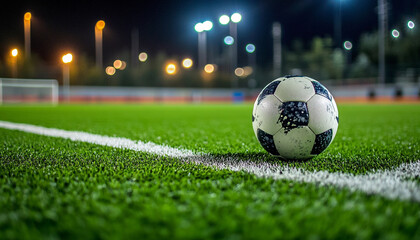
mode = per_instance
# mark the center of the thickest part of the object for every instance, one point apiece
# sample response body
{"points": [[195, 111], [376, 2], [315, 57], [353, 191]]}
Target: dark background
{"points": [[168, 26]]}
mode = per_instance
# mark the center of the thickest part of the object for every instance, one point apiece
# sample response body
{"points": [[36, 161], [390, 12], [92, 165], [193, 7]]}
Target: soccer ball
{"points": [[295, 117]]}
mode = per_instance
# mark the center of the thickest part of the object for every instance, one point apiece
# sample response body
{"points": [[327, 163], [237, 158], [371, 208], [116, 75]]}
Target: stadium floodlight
{"points": [[100, 24], [15, 90], [250, 48], [410, 24], [395, 33], [170, 68], [199, 27], [14, 52], [348, 45], [236, 17], [228, 40], [143, 57], [224, 19], [67, 58], [207, 25], [187, 63]]}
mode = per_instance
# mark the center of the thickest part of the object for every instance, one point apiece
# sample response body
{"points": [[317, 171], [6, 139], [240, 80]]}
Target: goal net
{"points": [[16, 90]]}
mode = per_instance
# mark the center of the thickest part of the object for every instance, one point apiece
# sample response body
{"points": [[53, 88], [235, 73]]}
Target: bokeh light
{"points": [[170, 68], [228, 40], [143, 57], [117, 64], [236, 17], [100, 24], [395, 33], [248, 70], [14, 52], [250, 48], [207, 25], [67, 58], [239, 72], [348, 45], [123, 65], [110, 70], [411, 24], [224, 19], [187, 63], [209, 68]]}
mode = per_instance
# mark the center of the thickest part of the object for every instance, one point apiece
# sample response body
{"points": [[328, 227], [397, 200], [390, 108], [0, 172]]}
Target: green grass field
{"points": [[56, 188]]}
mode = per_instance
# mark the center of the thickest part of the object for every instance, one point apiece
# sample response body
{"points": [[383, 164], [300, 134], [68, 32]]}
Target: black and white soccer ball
{"points": [[295, 117]]}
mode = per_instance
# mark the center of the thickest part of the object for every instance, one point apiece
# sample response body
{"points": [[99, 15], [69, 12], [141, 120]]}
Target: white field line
{"points": [[391, 184]]}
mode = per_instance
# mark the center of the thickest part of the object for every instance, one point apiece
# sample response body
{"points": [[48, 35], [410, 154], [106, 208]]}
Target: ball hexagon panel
{"points": [[267, 114], [268, 90], [322, 114], [293, 115], [336, 118], [295, 89], [321, 90], [322, 141], [267, 142], [295, 144]]}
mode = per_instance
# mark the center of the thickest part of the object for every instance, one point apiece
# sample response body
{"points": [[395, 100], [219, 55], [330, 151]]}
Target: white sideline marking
{"points": [[392, 184], [116, 142]]}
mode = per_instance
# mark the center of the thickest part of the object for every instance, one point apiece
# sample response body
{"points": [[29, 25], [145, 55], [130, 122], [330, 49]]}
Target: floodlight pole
{"points": [[134, 47], [276, 49], [382, 15], [66, 81], [337, 25], [202, 51], [27, 34]]}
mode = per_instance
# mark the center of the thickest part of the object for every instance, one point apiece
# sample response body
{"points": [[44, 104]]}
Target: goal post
{"points": [[18, 90]]}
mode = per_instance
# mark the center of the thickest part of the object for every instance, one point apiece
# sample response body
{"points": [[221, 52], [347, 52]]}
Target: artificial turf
{"points": [[56, 188]]}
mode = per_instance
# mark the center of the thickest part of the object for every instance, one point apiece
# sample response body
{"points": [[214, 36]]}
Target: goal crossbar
{"points": [[12, 88]]}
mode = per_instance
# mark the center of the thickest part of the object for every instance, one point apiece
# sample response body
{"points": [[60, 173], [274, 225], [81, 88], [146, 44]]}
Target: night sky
{"points": [[59, 26]]}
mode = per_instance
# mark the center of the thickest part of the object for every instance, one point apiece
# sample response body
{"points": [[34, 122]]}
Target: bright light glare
{"points": [[100, 24], [209, 68], [199, 27], [14, 52], [170, 69], [228, 40], [411, 24], [250, 48], [187, 63], [348, 45], [27, 16], [207, 25], [110, 70], [143, 57], [239, 72], [224, 19], [395, 33], [117, 64], [67, 58], [236, 17]]}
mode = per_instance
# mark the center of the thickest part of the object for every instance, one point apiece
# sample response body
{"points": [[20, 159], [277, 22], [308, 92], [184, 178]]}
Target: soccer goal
{"points": [[17, 90]]}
